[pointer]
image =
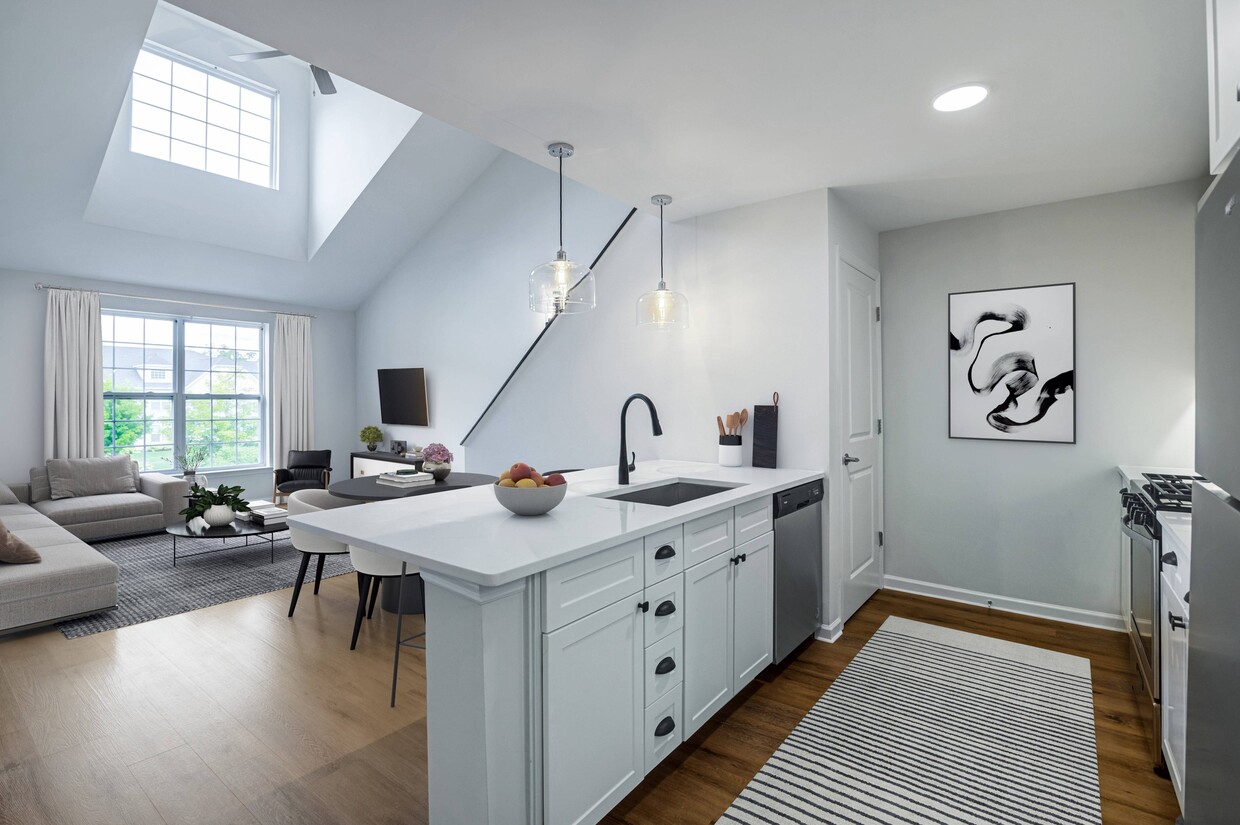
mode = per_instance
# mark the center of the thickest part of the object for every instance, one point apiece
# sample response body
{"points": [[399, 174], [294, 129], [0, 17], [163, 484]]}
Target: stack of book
{"points": [[405, 478], [261, 504], [267, 516]]}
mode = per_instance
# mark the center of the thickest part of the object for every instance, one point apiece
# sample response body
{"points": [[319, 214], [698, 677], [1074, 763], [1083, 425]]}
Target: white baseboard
{"points": [[1059, 613], [830, 632]]}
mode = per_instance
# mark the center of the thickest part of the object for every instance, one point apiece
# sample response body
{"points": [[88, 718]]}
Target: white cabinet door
{"points": [[594, 732], [1174, 687], [708, 640], [1223, 52], [753, 627]]}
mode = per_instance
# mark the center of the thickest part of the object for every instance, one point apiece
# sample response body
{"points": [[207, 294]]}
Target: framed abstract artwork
{"points": [[1011, 364]]}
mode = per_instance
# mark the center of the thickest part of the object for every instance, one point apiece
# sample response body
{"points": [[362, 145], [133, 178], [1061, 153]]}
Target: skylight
{"points": [[187, 112]]}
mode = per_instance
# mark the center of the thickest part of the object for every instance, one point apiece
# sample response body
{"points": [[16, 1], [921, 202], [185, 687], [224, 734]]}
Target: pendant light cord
{"points": [[661, 284], [561, 201]]}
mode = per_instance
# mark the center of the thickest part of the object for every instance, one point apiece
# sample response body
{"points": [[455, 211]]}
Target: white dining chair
{"points": [[310, 544]]}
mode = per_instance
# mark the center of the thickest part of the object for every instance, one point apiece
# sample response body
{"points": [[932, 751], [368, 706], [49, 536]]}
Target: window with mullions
{"points": [[172, 383], [187, 112]]}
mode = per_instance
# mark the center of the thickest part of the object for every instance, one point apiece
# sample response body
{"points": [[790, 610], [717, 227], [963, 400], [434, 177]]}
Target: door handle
{"points": [[664, 552], [1176, 622], [666, 666], [849, 459], [665, 727], [667, 608]]}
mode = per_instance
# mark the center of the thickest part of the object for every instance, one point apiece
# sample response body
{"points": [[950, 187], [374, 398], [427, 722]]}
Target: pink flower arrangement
{"points": [[436, 453]]}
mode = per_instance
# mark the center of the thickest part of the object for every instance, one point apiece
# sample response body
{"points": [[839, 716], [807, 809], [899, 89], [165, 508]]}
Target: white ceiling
{"points": [[66, 77], [727, 102]]}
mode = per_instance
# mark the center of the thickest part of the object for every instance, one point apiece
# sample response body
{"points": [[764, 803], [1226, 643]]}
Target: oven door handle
{"points": [[1144, 538]]}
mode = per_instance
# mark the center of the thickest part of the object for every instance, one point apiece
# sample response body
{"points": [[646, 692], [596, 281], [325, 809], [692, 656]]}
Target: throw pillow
{"points": [[7, 496], [40, 489], [72, 477], [15, 551]]}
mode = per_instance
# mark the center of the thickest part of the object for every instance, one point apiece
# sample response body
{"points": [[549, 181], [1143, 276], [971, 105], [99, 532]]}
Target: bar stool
{"points": [[371, 569]]}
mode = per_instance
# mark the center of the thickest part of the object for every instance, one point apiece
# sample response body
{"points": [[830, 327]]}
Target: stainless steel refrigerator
{"points": [[1212, 758]]}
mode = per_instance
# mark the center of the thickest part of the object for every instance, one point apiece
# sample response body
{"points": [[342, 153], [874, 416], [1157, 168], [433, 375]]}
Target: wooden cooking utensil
{"points": [[731, 422], [719, 419], [744, 417]]}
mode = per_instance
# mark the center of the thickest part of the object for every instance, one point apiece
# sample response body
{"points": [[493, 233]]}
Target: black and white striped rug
{"points": [[932, 725], [227, 569]]}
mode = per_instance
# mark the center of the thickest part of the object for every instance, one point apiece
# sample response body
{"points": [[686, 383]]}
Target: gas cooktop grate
{"points": [[1171, 492]]}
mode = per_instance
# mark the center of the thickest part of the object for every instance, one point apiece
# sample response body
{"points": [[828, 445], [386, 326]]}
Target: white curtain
{"points": [[292, 388], [73, 375]]}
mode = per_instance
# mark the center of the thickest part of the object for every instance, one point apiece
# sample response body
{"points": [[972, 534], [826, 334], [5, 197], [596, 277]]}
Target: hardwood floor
{"points": [[235, 714]]}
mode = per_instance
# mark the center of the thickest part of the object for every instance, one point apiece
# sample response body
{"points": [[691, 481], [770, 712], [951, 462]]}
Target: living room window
{"points": [[175, 382], [188, 112]]}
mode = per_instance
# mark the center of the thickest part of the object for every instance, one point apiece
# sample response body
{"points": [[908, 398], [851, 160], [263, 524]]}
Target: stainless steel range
{"points": [[1141, 502]]}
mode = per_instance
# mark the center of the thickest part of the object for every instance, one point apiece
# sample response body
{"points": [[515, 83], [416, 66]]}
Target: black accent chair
{"points": [[304, 470]]}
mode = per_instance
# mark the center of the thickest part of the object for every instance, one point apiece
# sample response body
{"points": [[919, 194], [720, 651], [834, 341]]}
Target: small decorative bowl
{"points": [[530, 501]]}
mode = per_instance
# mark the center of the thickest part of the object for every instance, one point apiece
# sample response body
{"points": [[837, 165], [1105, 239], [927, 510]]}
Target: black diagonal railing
{"points": [[550, 322]]}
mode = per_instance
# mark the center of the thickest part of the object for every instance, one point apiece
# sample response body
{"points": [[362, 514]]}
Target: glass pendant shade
{"points": [[561, 286], [663, 309]]}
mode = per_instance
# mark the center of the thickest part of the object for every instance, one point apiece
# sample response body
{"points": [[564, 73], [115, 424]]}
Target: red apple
{"points": [[554, 480], [519, 471]]}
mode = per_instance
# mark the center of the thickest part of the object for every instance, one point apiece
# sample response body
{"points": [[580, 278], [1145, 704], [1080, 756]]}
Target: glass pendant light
{"points": [[662, 309], [562, 285]]}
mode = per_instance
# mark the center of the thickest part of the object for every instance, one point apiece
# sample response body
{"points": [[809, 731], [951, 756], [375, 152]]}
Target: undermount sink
{"points": [[670, 493]]}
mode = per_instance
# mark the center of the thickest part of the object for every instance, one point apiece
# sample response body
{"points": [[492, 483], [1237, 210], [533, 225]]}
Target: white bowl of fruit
{"points": [[522, 490]]}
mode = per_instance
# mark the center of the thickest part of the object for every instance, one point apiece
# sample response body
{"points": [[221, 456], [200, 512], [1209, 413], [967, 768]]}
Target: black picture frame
{"points": [[398, 447], [1024, 432]]}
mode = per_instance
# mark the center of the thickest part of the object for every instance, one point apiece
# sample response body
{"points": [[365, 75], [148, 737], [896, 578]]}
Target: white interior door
{"points": [[860, 454]]}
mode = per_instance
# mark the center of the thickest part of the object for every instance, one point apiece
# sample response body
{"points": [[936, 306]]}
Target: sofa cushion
{"points": [[15, 551], [77, 477], [99, 508], [7, 496], [40, 488], [68, 565]]}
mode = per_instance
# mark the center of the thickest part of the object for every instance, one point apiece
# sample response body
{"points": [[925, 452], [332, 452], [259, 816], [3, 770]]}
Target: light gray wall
{"points": [[1038, 522], [22, 318]]}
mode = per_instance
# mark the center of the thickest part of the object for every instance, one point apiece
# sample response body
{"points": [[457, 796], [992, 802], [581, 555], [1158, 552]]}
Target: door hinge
{"points": [[878, 313], [880, 538], [880, 426]]}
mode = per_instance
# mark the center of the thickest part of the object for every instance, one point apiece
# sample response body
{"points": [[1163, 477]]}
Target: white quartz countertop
{"points": [[468, 535]]}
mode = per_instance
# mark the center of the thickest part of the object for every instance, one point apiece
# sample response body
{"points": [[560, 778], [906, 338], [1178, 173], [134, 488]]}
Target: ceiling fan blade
{"points": [[324, 80], [246, 57]]}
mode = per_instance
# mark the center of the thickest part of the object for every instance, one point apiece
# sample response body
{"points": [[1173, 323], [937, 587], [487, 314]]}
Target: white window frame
{"points": [[223, 74], [177, 395]]}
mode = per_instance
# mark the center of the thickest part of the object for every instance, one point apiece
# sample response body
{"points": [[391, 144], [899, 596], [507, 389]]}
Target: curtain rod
{"points": [[186, 303]]}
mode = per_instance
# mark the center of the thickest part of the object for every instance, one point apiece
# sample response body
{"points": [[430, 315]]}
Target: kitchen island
{"points": [[568, 653]]}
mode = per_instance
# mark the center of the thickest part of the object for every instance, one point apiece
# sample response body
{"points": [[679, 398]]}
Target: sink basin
{"points": [[670, 493]]}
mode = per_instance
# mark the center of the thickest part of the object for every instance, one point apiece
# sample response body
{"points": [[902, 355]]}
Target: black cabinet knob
{"points": [[643, 606], [667, 608], [665, 726], [1176, 622], [666, 666], [664, 552]]}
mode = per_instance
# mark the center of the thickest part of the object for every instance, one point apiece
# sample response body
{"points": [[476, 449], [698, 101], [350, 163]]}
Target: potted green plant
{"points": [[190, 460], [216, 507], [371, 436]]}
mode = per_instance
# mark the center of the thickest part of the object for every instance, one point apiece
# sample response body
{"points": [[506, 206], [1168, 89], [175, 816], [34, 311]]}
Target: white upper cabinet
{"points": [[1223, 48]]}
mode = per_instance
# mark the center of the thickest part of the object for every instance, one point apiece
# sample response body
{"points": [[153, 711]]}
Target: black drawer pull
{"points": [[1176, 622], [665, 609], [643, 606], [664, 667], [664, 552], [666, 726]]}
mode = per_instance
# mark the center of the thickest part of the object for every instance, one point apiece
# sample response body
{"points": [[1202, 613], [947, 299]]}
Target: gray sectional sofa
{"points": [[73, 578]]}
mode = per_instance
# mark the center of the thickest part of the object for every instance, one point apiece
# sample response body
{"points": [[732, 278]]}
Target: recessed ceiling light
{"points": [[961, 97]]}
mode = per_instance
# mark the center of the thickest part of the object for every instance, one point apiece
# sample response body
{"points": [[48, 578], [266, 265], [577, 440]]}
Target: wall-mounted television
{"points": [[402, 397]]}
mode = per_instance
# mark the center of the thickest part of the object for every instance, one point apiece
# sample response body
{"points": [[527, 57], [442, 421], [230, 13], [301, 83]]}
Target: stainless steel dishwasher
{"points": [[798, 566]]}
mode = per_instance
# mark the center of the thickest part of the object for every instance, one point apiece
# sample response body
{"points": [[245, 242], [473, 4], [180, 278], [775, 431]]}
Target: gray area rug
{"points": [[151, 588], [932, 725]]}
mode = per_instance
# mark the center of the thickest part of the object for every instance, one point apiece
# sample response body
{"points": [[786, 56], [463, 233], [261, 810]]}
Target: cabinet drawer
{"points": [[666, 612], [708, 536], [664, 730], [665, 553], [665, 666], [752, 519], [581, 587]]}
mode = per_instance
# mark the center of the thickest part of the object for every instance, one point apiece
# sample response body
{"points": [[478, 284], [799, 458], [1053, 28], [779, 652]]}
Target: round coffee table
{"points": [[199, 529]]}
